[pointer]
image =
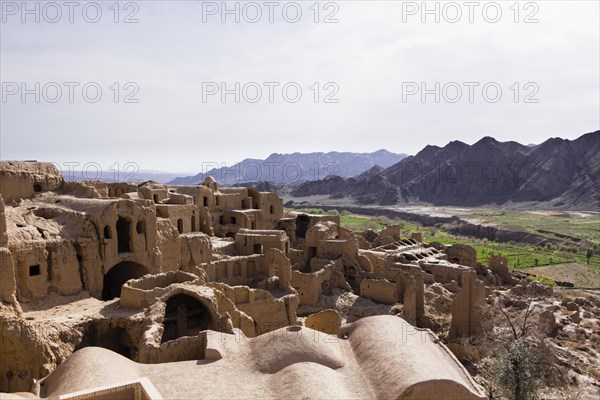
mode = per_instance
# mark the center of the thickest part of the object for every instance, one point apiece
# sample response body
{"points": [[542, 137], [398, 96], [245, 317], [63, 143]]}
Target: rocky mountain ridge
{"points": [[557, 173], [294, 168]]}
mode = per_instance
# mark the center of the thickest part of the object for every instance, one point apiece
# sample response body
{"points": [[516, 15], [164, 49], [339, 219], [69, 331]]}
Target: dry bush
{"points": [[523, 363]]}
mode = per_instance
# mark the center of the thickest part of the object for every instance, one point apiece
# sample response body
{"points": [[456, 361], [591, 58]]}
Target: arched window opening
{"points": [[118, 275], [184, 316]]}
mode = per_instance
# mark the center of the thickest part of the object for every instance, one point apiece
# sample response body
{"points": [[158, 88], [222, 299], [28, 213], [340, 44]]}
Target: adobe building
{"points": [[198, 279], [366, 360]]}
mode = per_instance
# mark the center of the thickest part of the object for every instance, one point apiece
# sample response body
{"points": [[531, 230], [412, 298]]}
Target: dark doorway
{"points": [[114, 338], [123, 235], [118, 275], [302, 222], [350, 275], [118, 340], [84, 285], [258, 248], [49, 268], [193, 223], [312, 252], [180, 225], [184, 316]]}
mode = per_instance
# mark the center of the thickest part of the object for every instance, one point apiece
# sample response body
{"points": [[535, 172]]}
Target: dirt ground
{"points": [[581, 275]]}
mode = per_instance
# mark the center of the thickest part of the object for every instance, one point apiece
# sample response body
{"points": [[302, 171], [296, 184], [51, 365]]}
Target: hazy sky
{"points": [[375, 61]]}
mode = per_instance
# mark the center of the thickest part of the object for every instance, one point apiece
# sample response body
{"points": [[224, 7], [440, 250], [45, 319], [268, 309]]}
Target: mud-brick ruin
{"points": [[120, 290]]}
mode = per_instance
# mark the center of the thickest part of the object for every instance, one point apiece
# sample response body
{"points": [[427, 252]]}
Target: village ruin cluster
{"points": [[156, 290]]}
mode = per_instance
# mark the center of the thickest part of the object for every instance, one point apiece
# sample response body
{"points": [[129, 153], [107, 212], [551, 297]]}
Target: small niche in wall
{"points": [[34, 270], [140, 227]]}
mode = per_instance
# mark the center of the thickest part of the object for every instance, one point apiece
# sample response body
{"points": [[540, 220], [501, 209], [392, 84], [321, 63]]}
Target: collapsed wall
{"points": [[165, 265]]}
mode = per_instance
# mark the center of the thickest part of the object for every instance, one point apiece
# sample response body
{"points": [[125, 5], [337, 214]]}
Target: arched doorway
{"points": [[184, 316], [118, 275], [113, 338]]}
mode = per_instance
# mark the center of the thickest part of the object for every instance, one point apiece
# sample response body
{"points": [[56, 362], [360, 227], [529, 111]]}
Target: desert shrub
{"points": [[514, 370], [332, 212], [317, 211], [568, 248], [523, 363]]}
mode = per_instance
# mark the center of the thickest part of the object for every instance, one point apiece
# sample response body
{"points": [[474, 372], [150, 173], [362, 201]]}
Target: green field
{"points": [[571, 227], [519, 255]]}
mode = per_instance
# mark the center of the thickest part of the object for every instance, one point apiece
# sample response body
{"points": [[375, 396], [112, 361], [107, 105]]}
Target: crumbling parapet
{"points": [[499, 267], [249, 241], [23, 179], [326, 321], [142, 292], [417, 236], [311, 285], [467, 307], [280, 266], [256, 306], [8, 283], [379, 290], [462, 254], [413, 299], [388, 235], [238, 270]]}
